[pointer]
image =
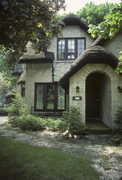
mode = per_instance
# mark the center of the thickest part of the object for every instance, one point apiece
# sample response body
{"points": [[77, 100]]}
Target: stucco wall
{"points": [[35, 73], [67, 32], [43, 72], [79, 79], [114, 45]]}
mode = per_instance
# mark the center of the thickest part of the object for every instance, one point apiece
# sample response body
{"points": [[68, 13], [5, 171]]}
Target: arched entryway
{"points": [[98, 98]]}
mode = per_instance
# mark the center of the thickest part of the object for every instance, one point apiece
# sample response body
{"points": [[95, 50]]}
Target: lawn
{"points": [[21, 161]]}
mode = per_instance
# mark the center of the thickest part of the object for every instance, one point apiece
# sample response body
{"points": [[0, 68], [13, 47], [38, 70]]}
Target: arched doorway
{"points": [[98, 98]]}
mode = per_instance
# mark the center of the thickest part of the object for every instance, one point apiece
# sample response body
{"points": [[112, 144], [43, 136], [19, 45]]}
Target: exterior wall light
{"points": [[77, 89], [119, 89]]}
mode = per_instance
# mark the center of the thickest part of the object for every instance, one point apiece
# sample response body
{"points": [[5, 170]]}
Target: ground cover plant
{"points": [[23, 161]]}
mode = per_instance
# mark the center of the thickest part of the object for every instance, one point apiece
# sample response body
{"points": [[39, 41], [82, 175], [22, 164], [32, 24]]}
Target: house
{"points": [[75, 71]]}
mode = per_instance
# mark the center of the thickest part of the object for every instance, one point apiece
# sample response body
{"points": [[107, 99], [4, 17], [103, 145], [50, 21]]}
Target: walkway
{"points": [[105, 157], [3, 119]]}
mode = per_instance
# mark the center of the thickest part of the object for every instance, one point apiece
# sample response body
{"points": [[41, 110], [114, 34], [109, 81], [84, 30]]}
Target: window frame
{"points": [[55, 98], [66, 47]]}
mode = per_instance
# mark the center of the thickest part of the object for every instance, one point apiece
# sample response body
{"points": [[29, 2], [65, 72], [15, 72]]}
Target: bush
{"points": [[28, 122], [117, 139], [3, 112], [17, 108], [53, 124], [74, 123], [14, 121]]}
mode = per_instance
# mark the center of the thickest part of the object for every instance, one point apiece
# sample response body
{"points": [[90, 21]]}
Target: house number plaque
{"points": [[77, 98]]}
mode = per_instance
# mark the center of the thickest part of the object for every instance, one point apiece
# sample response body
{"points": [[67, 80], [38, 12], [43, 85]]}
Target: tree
{"points": [[7, 60], [93, 13], [22, 21], [4, 88], [28, 20], [111, 25]]}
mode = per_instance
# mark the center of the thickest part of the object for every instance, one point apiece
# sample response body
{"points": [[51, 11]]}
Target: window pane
{"points": [[81, 46], [71, 49], [61, 49], [61, 98], [49, 96], [39, 96]]}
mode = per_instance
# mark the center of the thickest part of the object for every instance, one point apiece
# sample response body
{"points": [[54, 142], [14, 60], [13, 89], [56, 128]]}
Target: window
{"points": [[22, 91], [70, 48], [49, 96]]}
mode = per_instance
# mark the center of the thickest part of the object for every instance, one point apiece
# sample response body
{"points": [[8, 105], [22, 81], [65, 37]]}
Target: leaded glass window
{"points": [[70, 48]]}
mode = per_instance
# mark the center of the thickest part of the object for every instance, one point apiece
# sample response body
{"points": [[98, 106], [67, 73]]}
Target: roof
{"points": [[96, 55], [99, 41], [32, 57], [72, 19], [22, 78], [18, 70]]}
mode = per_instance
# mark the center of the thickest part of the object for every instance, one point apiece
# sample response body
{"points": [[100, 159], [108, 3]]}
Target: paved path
{"points": [[3, 119], [104, 155]]}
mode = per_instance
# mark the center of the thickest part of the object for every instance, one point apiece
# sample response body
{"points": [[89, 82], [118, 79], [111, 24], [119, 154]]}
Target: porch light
{"points": [[77, 89], [119, 89]]}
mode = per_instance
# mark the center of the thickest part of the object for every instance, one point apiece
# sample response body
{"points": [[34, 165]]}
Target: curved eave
{"points": [[21, 82], [37, 60], [98, 56], [75, 20], [16, 73]]}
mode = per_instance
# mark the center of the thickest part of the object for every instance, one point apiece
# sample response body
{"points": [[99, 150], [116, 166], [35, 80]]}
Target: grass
{"points": [[21, 161]]}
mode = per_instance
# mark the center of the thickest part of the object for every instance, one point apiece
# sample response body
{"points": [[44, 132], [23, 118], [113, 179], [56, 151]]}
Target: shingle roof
{"points": [[96, 55], [22, 78], [32, 57], [72, 19], [99, 41]]}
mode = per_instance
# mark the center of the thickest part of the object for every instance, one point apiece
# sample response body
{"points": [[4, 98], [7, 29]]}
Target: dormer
{"points": [[73, 39]]}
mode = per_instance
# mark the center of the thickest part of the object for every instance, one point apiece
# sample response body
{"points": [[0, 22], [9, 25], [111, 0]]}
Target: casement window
{"points": [[70, 48], [49, 96]]}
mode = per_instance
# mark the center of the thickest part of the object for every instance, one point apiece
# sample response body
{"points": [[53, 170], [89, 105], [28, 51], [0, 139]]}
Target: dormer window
{"points": [[70, 48]]}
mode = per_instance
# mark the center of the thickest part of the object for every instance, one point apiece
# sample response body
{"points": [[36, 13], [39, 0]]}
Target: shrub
{"points": [[3, 112], [76, 127], [74, 123], [30, 122], [17, 108], [117, 139], [14, 121], [53, 124]]}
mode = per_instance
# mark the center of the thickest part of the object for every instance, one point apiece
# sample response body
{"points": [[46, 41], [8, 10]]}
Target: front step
{"points": [[98, 128]]}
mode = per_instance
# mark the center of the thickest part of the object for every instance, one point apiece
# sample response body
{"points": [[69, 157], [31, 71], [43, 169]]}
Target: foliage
{"points": [[30, 122], [93, 13], [119, 68], [74, 122], [118, 116], [53, 124], [4, 88], [28, 20], [24, 162], [117, 139], [17, 108], [3, 111], [111, 25], [7, 60]]}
